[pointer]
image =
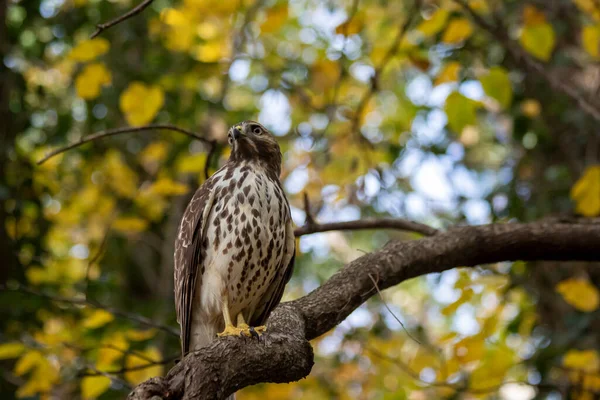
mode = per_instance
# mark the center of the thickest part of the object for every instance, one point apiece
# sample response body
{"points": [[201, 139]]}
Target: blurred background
{"points": [[445, 112]]}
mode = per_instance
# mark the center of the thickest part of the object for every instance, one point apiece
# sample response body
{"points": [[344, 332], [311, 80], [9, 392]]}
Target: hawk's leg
{"points": [[249, 330], [229, 330]]}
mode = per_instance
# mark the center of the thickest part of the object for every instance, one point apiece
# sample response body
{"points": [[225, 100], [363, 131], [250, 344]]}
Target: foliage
{"points": [[440, 111]]}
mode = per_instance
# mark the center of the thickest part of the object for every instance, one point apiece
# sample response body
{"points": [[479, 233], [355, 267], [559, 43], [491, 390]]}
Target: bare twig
{"points": [[123, 370], [118, 131], [517, 52], [309, 221], [134, 11], [97, 256], [209, 156], [390, 310], [111, 376], [83, 302], [367, 223]]}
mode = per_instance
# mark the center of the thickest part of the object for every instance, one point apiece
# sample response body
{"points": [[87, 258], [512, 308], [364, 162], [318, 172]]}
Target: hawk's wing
{"points": [[188, 257], [273, 295]]}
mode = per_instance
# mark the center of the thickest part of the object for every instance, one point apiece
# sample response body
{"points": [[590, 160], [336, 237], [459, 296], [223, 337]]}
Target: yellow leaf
{"points": [[532, 16], [168, 187], [589, 7], [94, 386], [137, 335], [113, 348], [449, 73], [352, 27], [11, 350], [89, 49], [497, 85], [586, 192], [590, 38], [458, 30], [492, 370], [141, 103], [579, 293], [129, 224], [27, 361], [122, 179], [531, 108], [434, 24], [584, 360], [211, 52], [97, 319], [538, 40], [190, 163], [325, 74], [276, 17], [450, 309], [154, 152], [469, 349], [134, 361], [461, 111], [90, 81]]}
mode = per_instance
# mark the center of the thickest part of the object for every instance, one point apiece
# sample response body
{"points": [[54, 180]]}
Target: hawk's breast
{"points": [[245, 239]]}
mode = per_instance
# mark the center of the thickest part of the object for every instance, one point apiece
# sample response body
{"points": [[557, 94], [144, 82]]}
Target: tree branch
{"points": [[367, 223], [134, 11], [283, 353], [118, 131], [89, 303]]}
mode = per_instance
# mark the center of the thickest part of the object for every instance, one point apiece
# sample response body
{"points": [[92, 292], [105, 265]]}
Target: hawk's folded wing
{"points": [[188, 257]]}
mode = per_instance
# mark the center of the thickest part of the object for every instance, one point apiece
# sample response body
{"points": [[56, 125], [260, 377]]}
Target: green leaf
{"points": [[496, 85], [538, 40], [461, 111]]}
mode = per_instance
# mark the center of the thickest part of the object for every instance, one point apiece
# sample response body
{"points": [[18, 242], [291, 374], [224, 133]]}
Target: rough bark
{"points": [[283, 353]]}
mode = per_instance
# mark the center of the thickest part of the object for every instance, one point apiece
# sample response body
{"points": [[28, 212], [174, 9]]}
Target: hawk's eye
{"points": [[256, 130]]}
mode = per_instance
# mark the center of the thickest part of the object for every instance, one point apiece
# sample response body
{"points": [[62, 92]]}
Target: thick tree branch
{"points": [[283, 353], [134, 11], [118, 131]]}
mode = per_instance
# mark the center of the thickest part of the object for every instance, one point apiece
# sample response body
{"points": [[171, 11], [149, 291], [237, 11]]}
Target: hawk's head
{"points": [[250, 141]]}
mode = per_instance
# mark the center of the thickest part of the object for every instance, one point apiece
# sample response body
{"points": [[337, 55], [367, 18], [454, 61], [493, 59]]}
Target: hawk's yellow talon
{"points": [[230, 330], [260, 329]]}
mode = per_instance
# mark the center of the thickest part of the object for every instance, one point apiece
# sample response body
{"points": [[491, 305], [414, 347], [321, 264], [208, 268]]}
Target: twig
{"points": [[390, 311], [135, 368], [239, 41], [309, 221], [367, 223], [97, 256], [112, 377], [134, 11], [518, 53], [83, 302], [209, 156], [389, 55], [118, 131]]}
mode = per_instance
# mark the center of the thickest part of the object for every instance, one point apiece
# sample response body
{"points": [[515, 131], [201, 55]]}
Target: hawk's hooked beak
{"points": [[236, 132]]}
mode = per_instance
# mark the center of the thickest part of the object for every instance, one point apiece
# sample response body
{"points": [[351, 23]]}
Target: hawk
{"points": [[235, 247]]}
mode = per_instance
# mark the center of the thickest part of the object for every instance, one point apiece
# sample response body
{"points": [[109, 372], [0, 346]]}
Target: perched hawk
{"points": [[235, 247]]}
